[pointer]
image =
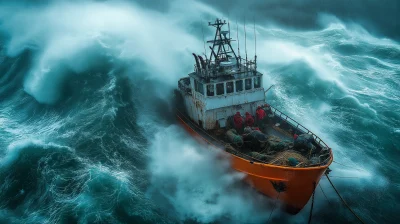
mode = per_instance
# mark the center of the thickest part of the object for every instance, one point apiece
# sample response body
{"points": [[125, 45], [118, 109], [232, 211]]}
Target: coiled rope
{"points": [[344, 202]]}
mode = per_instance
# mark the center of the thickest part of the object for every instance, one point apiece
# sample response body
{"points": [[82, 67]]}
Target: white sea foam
{"points": [[68, 33], [199, 183], [203, 187], [15, 149]]}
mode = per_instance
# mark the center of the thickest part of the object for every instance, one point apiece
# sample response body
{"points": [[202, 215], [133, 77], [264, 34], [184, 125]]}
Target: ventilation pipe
{"points": [[203, 64], [197, 62]]}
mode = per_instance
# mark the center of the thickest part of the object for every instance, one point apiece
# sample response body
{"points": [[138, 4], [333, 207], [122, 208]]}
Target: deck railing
{"points": [[298, 126], [283, 116]]}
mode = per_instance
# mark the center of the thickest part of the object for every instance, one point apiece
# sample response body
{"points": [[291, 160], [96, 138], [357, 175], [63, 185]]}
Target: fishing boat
{"points": [[279, 157]]}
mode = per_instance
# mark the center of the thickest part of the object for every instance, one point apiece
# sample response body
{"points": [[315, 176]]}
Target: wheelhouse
{"points": [[221, 85]]}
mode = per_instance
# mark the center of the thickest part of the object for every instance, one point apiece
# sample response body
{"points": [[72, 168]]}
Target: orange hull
{"points": [[294, 186]]}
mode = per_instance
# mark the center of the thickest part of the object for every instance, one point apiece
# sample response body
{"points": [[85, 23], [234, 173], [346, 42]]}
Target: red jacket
{"points": [[238, 121], [260, 113], [249, 120]]}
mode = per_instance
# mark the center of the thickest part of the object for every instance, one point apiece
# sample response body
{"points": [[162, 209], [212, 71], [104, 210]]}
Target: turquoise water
{"points": [[87, 134]]}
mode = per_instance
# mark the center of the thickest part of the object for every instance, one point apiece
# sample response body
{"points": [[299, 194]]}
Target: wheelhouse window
{"points": [[229, 87], [198, 86], [239, 85], [220, 89], [247, 84], [257, 82], [210, 90]]}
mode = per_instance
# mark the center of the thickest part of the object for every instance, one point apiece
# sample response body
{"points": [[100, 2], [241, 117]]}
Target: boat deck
{"points": [[279, 133], [270, 130]]}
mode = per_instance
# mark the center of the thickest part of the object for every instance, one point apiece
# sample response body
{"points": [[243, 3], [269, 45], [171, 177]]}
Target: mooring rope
{"points": [[345, 177], [323, 192], [344, 202], [312, 205], [276, 202]]}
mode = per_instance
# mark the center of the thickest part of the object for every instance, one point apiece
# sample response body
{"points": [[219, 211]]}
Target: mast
{"points": [[221, 49], [220, 60]]}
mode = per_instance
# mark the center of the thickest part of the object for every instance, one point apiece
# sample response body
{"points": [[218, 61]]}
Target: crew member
{"points": [[260, 115], [249, 119], [238, 122]]}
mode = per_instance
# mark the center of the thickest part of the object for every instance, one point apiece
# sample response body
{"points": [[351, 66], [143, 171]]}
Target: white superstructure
{"points": [[221, 85]]}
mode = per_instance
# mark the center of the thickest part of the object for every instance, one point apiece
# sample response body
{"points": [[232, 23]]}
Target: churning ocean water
{"points": [[87, 133]]}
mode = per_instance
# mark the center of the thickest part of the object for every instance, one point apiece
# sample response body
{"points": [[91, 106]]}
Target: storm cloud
{"points": [[378, 17]]}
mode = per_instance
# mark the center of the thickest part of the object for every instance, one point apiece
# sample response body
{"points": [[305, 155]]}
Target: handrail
{"points": [[300, 127], [297, 125], [243, 155]]}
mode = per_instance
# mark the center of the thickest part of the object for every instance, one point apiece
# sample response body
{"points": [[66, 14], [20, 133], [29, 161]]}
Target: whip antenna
{"points": [[229, 31], [245, 40], [205, 51], [255, 45], [237, 37]]}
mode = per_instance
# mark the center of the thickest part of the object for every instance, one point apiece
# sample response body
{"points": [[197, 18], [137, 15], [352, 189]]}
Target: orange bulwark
{"points": [[292, 185]]}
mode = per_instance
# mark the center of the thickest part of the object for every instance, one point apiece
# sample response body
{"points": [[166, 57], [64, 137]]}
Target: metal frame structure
{"points": [[221, 56], [223, 66], [220, 41]]}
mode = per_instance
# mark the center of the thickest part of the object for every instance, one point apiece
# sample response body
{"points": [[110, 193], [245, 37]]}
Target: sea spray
{"points": [[118, 65], [199, 183]]}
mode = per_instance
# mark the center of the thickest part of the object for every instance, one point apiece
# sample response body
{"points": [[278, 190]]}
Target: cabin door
{"points": [[221, 118]]}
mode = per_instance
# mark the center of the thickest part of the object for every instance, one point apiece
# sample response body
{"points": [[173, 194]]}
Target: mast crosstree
{"points": [[222, 59], [221, 49]]}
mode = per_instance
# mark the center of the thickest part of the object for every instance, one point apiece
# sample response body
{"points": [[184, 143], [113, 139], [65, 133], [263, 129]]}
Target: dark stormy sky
{"points": [[379, 17]]}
